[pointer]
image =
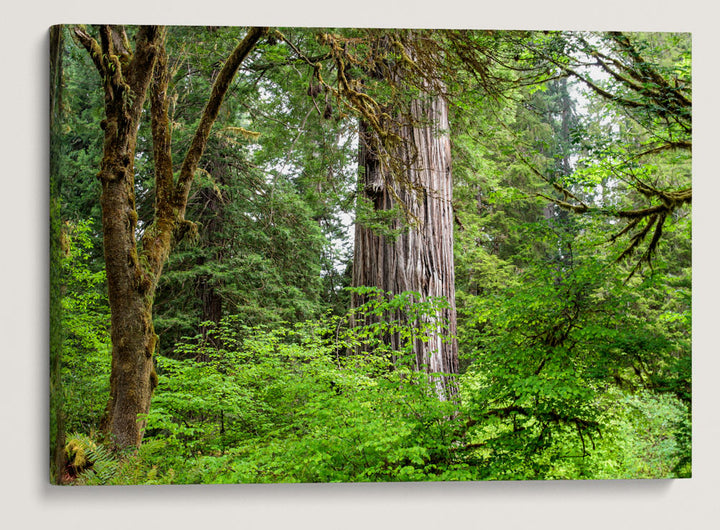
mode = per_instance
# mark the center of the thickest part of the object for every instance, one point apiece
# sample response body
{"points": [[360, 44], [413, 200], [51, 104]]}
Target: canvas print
{"points": [[304, 254]]}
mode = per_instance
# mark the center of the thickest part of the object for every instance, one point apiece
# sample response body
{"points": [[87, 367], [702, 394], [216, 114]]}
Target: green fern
{"points": [[93, 463]]}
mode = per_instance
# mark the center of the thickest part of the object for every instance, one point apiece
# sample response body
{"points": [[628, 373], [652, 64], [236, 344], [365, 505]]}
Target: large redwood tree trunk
{"points": [[420, 257]]}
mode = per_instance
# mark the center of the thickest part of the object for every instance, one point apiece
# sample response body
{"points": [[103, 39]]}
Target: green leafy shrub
{"points": [[297, 405], [87, 349], [572, 377]]}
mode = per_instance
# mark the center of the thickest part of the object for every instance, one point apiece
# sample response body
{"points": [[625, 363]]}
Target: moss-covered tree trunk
{"points": [[418, 256], [133, 267], [57, 430], [126, 76]]}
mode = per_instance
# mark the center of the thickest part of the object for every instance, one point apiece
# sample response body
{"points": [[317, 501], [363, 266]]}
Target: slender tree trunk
{"points": [[57, 429], [420, 258], [206, 286]]}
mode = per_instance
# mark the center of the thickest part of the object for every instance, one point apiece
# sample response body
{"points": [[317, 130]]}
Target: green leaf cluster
{"points": [[85, 364], [293, 405]]}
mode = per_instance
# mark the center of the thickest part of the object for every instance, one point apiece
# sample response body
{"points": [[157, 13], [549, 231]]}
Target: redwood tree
{"points": [[391, 81], [134, 264], [417, 253]]}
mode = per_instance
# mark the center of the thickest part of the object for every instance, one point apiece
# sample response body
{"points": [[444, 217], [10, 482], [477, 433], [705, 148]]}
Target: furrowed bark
{"points": [[420, 258]]}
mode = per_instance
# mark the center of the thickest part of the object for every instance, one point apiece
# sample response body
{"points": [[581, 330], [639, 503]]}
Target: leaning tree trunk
{"points": [[420, 257]]}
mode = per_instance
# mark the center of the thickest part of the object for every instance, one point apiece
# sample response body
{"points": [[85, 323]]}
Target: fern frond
{"points": [[93, 463]]}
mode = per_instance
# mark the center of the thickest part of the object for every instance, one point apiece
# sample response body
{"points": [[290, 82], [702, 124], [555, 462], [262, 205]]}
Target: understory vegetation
{"points": [[563, 381]]}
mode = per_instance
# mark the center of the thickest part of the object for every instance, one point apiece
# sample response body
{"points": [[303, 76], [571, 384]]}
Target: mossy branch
{"points": [[160, 125], [91, 45], [210, 113], [655, 215]]}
